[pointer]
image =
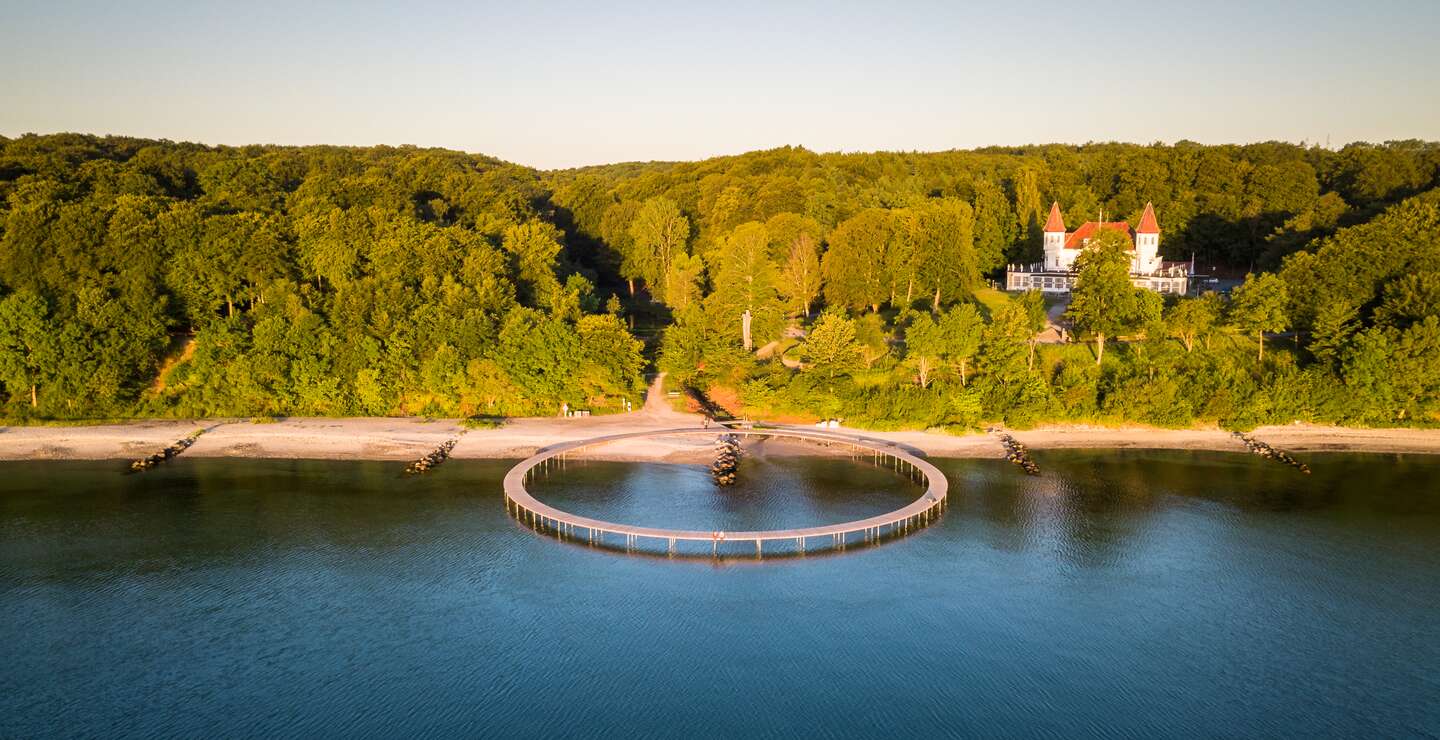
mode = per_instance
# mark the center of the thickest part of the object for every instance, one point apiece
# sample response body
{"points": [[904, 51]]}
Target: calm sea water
{"points": [[1120, 594]]}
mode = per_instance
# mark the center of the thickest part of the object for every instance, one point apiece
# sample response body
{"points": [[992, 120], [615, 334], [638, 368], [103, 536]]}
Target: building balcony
{"points": [[1172, 277]]}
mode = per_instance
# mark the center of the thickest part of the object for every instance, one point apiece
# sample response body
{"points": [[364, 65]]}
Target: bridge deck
{"points": [[524, 505]]}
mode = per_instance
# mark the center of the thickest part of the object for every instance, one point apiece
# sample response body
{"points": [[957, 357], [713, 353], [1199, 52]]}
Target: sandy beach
{"points": [[409, 438], [405, 439]]}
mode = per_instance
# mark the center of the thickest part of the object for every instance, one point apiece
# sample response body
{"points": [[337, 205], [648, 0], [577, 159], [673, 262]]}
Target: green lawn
{"points": [[991, 300]]}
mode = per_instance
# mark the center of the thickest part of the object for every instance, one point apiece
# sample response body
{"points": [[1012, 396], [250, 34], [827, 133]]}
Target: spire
{"points": [[1055, 222], [1148, 224]]}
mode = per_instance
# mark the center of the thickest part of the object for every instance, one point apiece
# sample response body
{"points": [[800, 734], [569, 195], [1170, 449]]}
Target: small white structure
{"points": [[1056, 274]]}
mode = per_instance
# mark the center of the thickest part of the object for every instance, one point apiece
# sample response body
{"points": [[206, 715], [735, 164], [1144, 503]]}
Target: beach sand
{"points": [[407, 439]]}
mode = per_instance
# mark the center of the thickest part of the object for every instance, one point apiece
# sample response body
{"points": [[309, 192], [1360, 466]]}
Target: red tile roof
{"points": [[1077, 238], [1148, 224], [1055, 222]]}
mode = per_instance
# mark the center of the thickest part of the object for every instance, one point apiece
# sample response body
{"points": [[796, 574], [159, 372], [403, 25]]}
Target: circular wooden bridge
{"points": [[544, 517]]}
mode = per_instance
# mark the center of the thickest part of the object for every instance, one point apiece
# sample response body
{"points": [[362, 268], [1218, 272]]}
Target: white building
{"points": [[1056, 274]]}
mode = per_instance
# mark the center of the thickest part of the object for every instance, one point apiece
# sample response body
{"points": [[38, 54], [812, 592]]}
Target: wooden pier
{"points": [[544, 517]]}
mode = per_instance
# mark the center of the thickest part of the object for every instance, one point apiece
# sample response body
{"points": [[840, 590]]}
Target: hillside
{"points": [[315, 280], [154, 278]]}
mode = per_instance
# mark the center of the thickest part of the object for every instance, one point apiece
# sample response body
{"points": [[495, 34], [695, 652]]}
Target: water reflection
{"points": [[771, 493], [1120, 593]]}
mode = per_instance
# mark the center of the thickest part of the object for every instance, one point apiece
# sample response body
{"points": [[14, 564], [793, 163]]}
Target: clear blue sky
{"points": [[553, 84]]}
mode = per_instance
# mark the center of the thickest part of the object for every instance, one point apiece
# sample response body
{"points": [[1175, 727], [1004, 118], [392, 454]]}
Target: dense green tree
{"points": [[1008, 388], [874, 338], [1415, 370], [615, 231], [785, 229], [686, 344], [1191, 318], [1104, 303], [903, 254], [949, 342], [534, 246], [924, 347], [1356, 263], [854, 266], [995, 225], [658, 234], [587, 199], [684, 281], [542, 355], [1029, 214], [1409, 300], [746, 282], [1333, 330], [831, 347], [28, 344], [179, 279], [800, 274], [611, 358], [1363, 173], [963, 328], [322, 280], [1258, 306], [1036, 319], [948, 263]]}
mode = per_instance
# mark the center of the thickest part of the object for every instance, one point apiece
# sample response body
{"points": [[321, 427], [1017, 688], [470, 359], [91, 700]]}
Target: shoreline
{"points": [[409, 438]]}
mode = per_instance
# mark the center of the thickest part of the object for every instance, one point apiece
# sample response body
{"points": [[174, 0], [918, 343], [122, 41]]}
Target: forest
{"points": [[145, 278]]}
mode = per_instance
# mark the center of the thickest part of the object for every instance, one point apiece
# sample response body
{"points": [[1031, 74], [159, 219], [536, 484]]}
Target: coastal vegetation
{"points": [[150, 278]]}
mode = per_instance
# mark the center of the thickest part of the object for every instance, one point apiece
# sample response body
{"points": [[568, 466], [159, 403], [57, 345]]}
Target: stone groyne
{"points": [[150, 461], [1268, 452], [432, 460], [727, 460]]}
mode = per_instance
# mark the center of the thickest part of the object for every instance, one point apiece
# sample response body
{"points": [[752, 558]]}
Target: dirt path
{"points": [[186, 352], [657, 408], [1054, 331]]}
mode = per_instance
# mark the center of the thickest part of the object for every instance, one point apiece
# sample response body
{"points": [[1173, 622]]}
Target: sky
{"points": [[554, 84]]}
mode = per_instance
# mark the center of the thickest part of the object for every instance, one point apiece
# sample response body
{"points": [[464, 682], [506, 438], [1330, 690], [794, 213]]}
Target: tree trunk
{"points": [[874, 308], [1099, 348], [1031, 364], [1189, 343], [1260, 335], [34, 398], [936, 305], [631, 281], [909, 291], [962, 372], [229, 307]]}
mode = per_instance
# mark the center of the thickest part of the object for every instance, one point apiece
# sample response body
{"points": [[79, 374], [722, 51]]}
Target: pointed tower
{"points": [[1055, 239], [1147, 242]]}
